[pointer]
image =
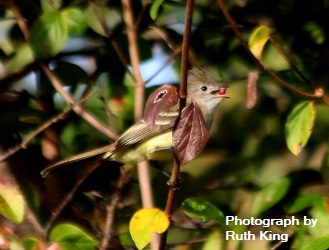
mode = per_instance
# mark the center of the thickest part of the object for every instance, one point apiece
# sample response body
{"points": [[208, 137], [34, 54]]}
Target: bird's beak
{"points": [[220, 92]]}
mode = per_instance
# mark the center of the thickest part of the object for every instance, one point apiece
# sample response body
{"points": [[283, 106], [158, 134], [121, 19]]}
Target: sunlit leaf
{"points": [[191, 134], [315, 31], [71, 237], [52, 5], [22, 57], [303, 201], [11, 201], [214, 241], [145, 222], [31, 243], [269, 195], [321, 243], [97, 14], [49, 34], [203, 210], [75, 20], [155, 8], [320, 216], [258, 39], [299, 126]]}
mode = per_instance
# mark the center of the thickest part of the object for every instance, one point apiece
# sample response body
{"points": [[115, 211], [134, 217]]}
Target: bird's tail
{"points": [[95, 153]]}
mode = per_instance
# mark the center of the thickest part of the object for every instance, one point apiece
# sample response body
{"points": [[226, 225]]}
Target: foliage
{"points": [[66, 86], [145, 222]]}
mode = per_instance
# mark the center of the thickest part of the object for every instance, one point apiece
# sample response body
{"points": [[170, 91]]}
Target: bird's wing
{"points": [[142, 131]]}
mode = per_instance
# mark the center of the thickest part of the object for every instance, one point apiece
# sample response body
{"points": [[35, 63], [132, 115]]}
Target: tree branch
{"points": [[318, 92], [183, 93], [110, 208], [70, 195]]}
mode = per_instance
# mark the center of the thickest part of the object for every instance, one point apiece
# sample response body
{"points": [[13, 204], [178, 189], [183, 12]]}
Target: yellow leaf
{"points": [[145, 222], [258, 39]]}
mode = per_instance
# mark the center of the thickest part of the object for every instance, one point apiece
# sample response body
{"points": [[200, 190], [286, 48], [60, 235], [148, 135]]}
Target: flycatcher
{"points": [[154, 140]]}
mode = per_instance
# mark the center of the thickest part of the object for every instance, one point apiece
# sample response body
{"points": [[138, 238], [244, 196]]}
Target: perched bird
{"points": [[152, 137]]}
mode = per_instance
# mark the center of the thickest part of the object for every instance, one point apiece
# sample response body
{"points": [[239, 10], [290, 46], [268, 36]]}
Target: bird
{"points": [[151, 138]]}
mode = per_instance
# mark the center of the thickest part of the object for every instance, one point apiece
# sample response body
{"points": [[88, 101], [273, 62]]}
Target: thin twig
{"points": [[70, 195], [57, 84], [114, 42], [183, 93], [33, 220], [20, 19], [168, 60], [110, 208], [294, 67], [318, 93], [134, 58], [40, 129]]}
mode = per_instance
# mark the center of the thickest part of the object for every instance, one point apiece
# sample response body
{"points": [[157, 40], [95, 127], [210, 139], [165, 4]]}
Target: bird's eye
{"points": [[203, 88], [160, 96]]}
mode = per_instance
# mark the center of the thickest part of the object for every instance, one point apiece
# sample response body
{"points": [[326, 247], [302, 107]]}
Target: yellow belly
{"points": [[158, 148]]}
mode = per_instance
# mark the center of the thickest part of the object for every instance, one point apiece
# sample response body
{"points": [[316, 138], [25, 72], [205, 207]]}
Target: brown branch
{"points": [[318, 93], [183, 93], [40, 129], [134, 58], [110, 208], [57, 84], [294, 67], [20, 19], [70, 195], [114, 42], [143, 170], [168, 60]]}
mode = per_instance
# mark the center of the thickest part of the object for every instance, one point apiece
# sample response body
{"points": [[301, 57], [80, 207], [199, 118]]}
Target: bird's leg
{"points": [[156, 165], [175, 185]]}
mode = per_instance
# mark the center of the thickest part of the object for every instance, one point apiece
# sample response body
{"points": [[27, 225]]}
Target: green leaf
{"points": [[321, 243], [304, 201], [94, 15], [203, 210], [31, 243], [75, 20], [71, 237], [214, 241], [258, 39], [145, 222], [22, 57], [11, 201], [50, 5], [155, 8], [49, 34], [319, 213], [299, 126], [269, 195]]}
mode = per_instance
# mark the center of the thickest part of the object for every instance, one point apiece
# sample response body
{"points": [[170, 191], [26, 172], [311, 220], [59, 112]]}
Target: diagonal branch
{"points": [[70, 195], [110, 208], [57, 84], [114, 42], [318, 92], [40, 129]]}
